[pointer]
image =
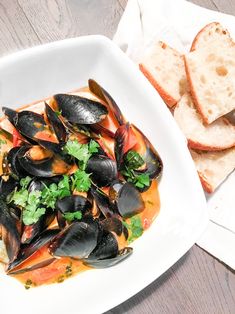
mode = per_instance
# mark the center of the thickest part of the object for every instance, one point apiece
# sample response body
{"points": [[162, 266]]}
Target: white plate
{"points": [[66, 65]]}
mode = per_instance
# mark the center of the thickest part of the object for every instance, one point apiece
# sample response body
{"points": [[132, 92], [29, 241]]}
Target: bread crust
{"points": [[204, 30], [168, 99], [205, 184]]}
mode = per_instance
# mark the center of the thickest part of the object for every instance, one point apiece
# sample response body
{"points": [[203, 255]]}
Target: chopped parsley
{"points": [[72, 216], [135, 227], [81, 181], [132, 162], [82, 152], [2, 142]]}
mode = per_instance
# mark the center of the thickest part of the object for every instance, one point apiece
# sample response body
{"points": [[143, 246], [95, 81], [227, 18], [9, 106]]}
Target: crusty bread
{"points": [[214, 167], [164, 68], [211, 75], [210, 35], [218, 135]]}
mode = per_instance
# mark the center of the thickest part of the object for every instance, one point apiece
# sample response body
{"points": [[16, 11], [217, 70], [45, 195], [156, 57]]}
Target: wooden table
{"points": [[197, 283]]}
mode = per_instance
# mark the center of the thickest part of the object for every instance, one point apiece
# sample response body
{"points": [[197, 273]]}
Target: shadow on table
{"points": [[149, 290]]}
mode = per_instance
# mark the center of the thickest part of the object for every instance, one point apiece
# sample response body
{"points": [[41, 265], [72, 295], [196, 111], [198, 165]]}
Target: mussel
{"points": [[77, 240], [80, 110], [56, 124], [73, 203], [100, 92], [103, 170], [34, 255], [41, 165], [127, 199], [14, 164], [103, 202], [9, 231]]}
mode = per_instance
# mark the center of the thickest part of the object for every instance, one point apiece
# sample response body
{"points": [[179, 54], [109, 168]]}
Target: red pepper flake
{"points": [[146, 223]]}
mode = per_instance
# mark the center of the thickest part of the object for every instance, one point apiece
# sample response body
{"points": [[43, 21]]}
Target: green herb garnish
{"points": [[135, 227], [72, 216], [82, 152], [132, 162], [81, 181]]}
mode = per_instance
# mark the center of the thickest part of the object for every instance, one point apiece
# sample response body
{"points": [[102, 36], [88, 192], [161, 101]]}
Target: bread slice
{"points": [[211, 75], [218, 135], [164, 68], [214, 167], [210, 35]]}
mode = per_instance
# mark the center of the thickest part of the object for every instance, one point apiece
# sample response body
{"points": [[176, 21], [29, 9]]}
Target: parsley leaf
{"points": [[24, 182], [82, 152], [135, 227], [20, 198], [93, 147], [142, 180], [72, 216], [81, 181], [133, 160]]}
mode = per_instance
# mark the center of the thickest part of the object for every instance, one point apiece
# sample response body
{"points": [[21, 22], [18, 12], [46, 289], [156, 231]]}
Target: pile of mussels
{"points": [[39, 154]]}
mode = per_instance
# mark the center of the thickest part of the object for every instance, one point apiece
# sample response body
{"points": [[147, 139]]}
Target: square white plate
{"points": [[66, 65]]}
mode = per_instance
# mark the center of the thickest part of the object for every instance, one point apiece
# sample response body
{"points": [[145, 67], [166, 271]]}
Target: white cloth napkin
{"points": [[177, 22]]}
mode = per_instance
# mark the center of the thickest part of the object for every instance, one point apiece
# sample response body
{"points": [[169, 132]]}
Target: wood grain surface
{"points": [[197, 283]]}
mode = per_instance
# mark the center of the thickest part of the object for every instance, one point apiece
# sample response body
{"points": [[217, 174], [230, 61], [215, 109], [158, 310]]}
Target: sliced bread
{"points": [[214, 167], [164, 68], [210, 35], [211, 76], [218, 135]]}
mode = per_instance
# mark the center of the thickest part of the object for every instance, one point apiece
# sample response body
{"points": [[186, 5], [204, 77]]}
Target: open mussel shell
{"points": [[101, 93], [103, 170], [14, 164], [125, 139], [103, 203], [108, 262], [106, 248], [127, 199], [151, 157], [47, 167], [56, 124], [73, 203], [77, 240], [29, 257], [30, 123], [11, 114], [7, 186], [9, 230], [80, 110], [32, 231]]}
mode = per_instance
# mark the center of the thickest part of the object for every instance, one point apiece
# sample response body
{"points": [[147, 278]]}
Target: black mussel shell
{"points": [[56, 124], [11, 114], [128, 200], [27, 257], [103, 202], [73, 203], [32, 231], [29, 123], [103, 170], [14, 164], [80, 110], [106, 248], [6, 187], [41, 168], [108, 262], [101, 93], [114, 224], [9, 230], [78, 240]]}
